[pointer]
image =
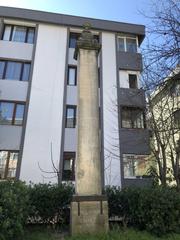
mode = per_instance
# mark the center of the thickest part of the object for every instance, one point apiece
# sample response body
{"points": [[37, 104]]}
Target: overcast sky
{"points": [[118, 10]]}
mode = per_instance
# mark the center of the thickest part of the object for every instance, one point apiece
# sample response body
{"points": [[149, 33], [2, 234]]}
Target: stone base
{"points": [[89, 214]]}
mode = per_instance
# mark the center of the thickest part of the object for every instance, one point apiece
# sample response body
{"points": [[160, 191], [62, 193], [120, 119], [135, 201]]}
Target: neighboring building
{"points": [[164, 112], [38, 97]]}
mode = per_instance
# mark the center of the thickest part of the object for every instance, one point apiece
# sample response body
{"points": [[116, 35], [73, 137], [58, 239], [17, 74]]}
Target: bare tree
{"points": [[162, 51], [163, 104], [161, 57]]}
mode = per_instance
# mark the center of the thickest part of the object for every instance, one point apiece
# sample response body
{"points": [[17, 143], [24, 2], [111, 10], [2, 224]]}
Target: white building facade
{"points": [[38, 98]]}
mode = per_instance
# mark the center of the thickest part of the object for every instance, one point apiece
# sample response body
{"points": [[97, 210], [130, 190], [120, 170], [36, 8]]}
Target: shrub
{"points": [[159, 210], [50, 203], [13, 209], [154, 209]]}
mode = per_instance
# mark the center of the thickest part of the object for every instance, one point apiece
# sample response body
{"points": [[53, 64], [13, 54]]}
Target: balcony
{"points": [[132, 97], [134, 141], [129, 61], [137, 182], [10, 137], [16, 50]]}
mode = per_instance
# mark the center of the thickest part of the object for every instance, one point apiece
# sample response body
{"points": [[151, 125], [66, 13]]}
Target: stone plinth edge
{"points": [[89, 215], [80, 198]]}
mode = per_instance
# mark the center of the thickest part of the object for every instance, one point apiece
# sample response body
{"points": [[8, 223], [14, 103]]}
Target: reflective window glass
{"points": [[72, 76], [131, 45], [3, 162], [19, 114], [135, 165], [121, 45], [68, 166], [132, 81], [30, 36], [132, 118], [6, 112], [13, 71], [7, 32], [2, 66], [26, 72], [19, 34], [73, 38], [70, 117], [13, 159]]}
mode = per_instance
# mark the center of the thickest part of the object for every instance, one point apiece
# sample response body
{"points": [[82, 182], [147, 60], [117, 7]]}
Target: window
{"points": [[70, 116], [72, 76], [135, 165], [11, 113], [175, 90], [127, 44], [18, 34], [14, 70], [68, 166], [74, 37], [132, 117], [177, 118], [8, 164], [132, 81]]}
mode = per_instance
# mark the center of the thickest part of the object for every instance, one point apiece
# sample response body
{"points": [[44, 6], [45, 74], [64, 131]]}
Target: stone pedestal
{"points": [[89, 215], [89, 209]]}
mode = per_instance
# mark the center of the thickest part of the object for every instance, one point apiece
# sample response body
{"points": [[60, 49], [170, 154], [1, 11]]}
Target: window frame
{"points": [[14, 112], [68, 74], [136, 80], [176, 116], [7, 164], [132, 124], [21, 71], [70, 155], [77, 34], [125, 43], [124, 155], [12, 31], [74, 107]]}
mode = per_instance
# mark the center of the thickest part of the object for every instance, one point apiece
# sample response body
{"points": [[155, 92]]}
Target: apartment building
{"points": [[164, 112], [38, 98]]}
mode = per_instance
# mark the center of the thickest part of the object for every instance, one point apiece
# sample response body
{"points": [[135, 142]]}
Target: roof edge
{"points": [[74, 21]]}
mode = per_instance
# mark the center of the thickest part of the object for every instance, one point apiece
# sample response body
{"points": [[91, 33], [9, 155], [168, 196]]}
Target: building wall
{"points": [[44, 120], [45, 137], [110, 111]]}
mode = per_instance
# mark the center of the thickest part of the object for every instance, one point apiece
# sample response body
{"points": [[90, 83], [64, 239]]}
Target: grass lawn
{"points": [[129, 234]]}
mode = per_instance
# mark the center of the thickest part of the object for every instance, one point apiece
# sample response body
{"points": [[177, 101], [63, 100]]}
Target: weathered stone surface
{"points": [[89, 209], [88, 168], [89, 217]]}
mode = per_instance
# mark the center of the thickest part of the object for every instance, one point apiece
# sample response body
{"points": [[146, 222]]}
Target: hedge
{"points": [[14, 209], [40, 203], [154, 209], [50, 203]]}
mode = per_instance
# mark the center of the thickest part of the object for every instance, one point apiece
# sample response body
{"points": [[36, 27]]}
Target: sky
{"points": [[117, 10]]}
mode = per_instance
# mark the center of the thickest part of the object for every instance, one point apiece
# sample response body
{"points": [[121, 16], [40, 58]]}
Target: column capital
{"points": [[86, 41]]}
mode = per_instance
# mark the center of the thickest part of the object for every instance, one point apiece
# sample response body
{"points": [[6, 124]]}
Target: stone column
{"points": [[88, 168], [89, 211]]}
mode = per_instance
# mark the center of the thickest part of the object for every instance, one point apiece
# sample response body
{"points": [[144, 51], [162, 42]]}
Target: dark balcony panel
{"points": [[131, 97], [129, 61], [1, 27], [137, 182], [134, 141]]}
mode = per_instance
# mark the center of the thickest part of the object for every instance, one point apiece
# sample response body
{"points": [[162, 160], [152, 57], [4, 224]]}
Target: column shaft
{"points": [[88, 166]]}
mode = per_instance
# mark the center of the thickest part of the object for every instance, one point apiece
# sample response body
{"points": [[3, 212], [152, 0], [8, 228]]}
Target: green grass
{"points": [[129, 234]]}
